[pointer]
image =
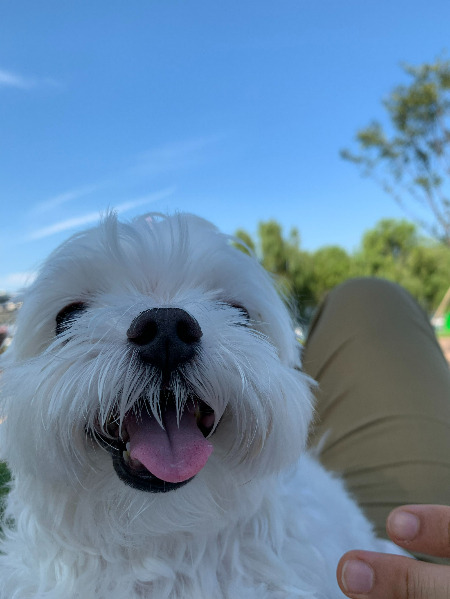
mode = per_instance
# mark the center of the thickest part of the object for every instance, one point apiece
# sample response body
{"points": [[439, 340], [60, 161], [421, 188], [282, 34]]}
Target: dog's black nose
{"points": [[166, 337]]}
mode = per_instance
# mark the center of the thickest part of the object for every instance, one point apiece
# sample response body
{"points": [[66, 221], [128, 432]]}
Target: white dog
{"points": [[155, 421]]}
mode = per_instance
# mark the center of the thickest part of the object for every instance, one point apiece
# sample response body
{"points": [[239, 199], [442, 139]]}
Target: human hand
{"points": [[370, 575]]}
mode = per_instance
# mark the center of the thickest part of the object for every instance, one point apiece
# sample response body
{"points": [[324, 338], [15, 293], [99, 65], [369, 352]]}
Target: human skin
{"points": [[421, 528]]}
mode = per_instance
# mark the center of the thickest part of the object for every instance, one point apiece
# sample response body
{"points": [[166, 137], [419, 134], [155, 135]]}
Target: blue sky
{"points": [[235, 110]]}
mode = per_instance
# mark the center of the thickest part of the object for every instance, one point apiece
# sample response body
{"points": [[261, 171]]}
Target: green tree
{"points": [[246, 238], [331, 266], [283, 257], [386, 248], [274, 249], [412, 160], [300, 276], [430, 267], [394, 250]]}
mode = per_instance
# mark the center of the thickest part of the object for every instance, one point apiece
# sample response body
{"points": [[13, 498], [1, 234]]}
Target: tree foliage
{"points": [[385, 249], [331, 265], [274, 248], [392, 250], [411, 160], [246, 239]]}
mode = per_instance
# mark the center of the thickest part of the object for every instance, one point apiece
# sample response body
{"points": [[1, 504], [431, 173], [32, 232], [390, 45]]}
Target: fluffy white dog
{"points": [[155, 421]]}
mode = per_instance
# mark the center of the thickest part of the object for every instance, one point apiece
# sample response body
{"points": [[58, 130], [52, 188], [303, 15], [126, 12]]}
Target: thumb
{"points": [[369, 575]]}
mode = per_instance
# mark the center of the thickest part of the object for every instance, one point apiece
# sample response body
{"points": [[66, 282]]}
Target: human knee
{"points": [[371, 296], [371, 304]]}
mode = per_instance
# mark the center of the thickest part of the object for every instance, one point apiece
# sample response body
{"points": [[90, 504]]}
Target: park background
{"points": [[237, 111], [244, 112]]}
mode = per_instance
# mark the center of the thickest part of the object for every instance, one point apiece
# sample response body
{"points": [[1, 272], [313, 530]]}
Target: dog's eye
{"points": [[242, 310], [65, 316]]}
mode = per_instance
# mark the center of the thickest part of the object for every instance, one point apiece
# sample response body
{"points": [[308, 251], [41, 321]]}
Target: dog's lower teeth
{"points": [[135, 464], [131, 462]]}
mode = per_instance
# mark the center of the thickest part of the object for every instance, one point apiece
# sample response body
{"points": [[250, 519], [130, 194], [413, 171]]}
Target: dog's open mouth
{"points": [[155, 458]]}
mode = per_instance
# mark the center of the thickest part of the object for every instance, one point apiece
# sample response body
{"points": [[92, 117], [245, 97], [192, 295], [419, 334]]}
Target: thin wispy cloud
{"points": [[23, 82], [169, 158], [145, 200], [92, 217], [9, 79], [174, 156], [64, 225], [64, 198]]}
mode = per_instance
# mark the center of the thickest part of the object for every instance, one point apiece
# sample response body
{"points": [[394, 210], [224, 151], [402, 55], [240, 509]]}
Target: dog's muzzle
{"points": [[159, 455]]}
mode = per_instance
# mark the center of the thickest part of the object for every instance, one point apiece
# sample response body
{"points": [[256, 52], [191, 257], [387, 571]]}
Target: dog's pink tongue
{"points": [[173, 453]]}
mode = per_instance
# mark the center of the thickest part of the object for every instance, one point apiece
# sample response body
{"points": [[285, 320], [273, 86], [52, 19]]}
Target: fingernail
{"points": [[403, 525], [357, 576]]}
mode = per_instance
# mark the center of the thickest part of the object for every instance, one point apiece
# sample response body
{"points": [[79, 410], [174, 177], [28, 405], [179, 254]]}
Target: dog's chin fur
{"points": [[260, 519]]}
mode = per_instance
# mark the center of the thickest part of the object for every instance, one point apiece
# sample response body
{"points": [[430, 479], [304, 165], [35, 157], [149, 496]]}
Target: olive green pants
{"points": [[383, 401]]}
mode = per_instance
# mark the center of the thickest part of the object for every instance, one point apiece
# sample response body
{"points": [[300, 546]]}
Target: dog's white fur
{"points": [[261, 519]]}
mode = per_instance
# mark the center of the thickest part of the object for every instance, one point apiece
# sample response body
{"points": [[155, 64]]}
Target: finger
{"points": [[369, 575], [423, 528]]}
